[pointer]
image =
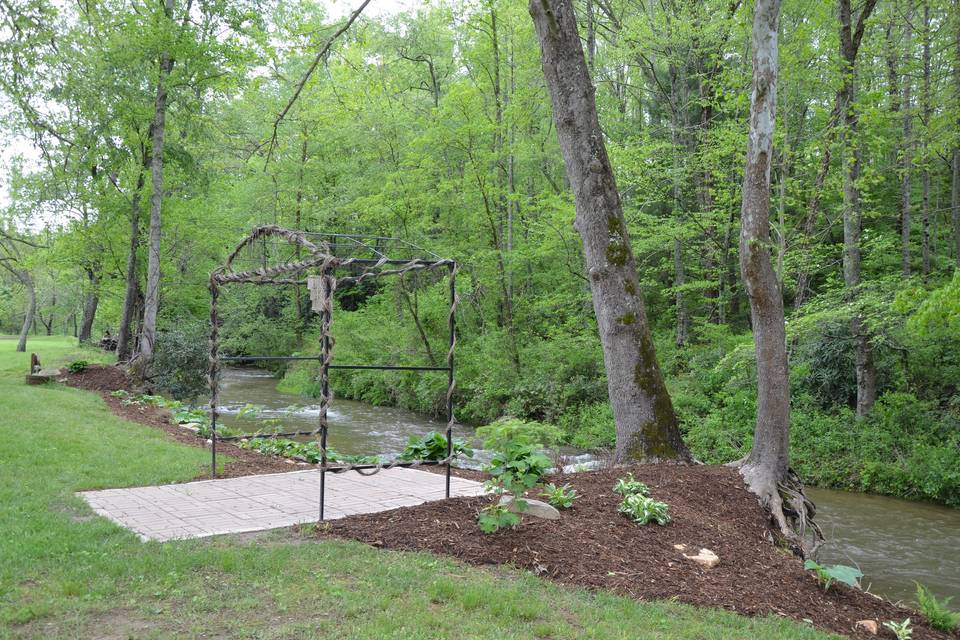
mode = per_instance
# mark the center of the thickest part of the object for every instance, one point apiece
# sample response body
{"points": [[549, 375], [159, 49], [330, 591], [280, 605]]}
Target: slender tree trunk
{"points": [[127, 317], [905, 161], [766, 470], [768, 461], [849, 46], [151, 307], [925, 238], [646, 424], [90, 303], [955, 187], [30, 312]]}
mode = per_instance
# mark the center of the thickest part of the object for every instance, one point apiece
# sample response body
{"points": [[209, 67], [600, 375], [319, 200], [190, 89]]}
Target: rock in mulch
{"points": [[535, 508]]}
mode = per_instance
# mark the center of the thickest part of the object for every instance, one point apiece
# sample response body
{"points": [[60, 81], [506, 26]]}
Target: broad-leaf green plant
{"points": [[828, 574], [644, 509], [561, 497]]}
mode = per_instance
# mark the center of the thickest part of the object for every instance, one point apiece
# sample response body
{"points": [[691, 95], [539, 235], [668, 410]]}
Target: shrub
{"points": [[644, 509], [516, 469], [501, 434], [181, 361], [78, 366]]}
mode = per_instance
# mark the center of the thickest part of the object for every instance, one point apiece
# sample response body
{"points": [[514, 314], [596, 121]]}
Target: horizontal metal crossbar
{"points": [[381, 367], [258, 436], [355, 467]]}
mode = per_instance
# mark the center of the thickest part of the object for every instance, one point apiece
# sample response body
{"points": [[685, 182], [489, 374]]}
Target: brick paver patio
{"points": [[254, 503]]}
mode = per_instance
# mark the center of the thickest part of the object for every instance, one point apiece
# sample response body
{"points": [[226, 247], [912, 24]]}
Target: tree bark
{"points": [[925, 203], [646, 424], [768, 461], [151, 306], [90, 303], [955, 187], [906, 147], [849, 46], [125, 333], [766, 470]]}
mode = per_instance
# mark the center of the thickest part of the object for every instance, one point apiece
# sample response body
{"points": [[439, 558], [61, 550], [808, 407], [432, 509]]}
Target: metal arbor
{"points": [[325, 262]]}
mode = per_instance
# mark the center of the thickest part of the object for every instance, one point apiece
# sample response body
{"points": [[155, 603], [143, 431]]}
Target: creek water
{"points": [[894, 542]]}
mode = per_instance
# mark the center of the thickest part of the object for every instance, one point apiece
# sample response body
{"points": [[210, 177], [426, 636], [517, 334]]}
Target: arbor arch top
{"points": [[273, 255]]}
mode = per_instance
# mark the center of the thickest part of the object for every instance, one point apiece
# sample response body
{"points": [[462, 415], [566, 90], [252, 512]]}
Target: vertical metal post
{"points": [[213, 374], [325, 385], [451, 325]]}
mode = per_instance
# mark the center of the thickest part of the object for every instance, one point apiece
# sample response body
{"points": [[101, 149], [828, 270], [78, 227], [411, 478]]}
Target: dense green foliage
{"points": [[433, 125]]}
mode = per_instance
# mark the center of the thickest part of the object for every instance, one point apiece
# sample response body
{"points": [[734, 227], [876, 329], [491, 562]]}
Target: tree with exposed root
{"points": [[646, 424], [766, 469]]}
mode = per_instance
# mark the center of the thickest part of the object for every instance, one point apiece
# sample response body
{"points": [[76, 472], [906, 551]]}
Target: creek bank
{"points": [[105, 379], [594, 547]]}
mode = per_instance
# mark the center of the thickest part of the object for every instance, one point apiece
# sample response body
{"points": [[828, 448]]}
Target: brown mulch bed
{"points": [[238, 462], [593, 546]]}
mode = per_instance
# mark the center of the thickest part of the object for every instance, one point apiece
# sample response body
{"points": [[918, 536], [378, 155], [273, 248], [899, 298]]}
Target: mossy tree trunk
{"points": [[645, 420]]}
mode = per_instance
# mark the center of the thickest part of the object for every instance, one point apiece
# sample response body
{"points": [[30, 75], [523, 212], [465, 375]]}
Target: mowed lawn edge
{"points": [[67, 573]]}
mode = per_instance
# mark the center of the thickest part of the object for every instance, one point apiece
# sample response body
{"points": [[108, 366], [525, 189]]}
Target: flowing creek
{"points": [[894, 542]]}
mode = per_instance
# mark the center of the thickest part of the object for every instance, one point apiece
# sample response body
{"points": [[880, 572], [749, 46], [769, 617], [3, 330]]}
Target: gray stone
{"points": [[535, 508]]}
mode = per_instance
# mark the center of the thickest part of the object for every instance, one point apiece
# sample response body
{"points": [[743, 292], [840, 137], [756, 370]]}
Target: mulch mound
{"points": [[105, 379], [593, 546]]}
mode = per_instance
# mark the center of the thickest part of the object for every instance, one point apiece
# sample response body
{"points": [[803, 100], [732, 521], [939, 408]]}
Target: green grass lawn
{"points": [[66, 573]]}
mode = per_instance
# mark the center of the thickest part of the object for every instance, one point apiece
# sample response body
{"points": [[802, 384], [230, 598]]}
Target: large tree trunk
{"points": [[849, 46], [766, 470], [151, 306], [645, 421], [90, 303]]}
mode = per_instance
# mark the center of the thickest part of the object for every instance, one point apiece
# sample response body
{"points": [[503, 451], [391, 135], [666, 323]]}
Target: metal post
{"points": [[325, 386], [451, 325], [213, 374]]}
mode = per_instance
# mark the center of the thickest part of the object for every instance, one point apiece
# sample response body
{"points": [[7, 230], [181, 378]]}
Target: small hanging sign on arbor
{"points": [[317, 292]]}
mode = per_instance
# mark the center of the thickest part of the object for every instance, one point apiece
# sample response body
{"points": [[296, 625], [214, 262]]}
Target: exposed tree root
{"points": [[791, 510]]}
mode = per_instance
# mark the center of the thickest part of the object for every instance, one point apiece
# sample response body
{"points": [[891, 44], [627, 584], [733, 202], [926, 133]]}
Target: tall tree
{"points": [[766, 469], [151, 305], [12, 259], [851, 35], [645, 420]]}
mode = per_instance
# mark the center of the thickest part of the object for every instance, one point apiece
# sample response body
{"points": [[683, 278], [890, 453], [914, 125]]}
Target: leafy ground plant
{"points": [[936, 611], [835, 572], [561, 497], [78, 366], [628, 486], [515, 469], [432, 446], [644, 509], [902, 630]]}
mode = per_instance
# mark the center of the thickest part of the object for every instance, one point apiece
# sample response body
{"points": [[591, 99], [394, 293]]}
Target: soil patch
{"points": [[238, 462], [593, 546]]}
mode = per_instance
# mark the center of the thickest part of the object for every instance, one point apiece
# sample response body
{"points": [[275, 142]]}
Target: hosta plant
{"points": [[644, 509], [561, 497], [628, 486]]}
